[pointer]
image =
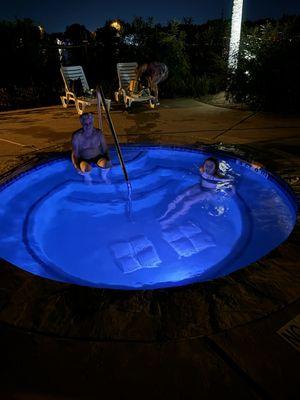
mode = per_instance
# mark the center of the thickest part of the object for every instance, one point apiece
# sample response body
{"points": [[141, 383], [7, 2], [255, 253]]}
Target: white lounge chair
{"points": [[88, 97], [126, 74]]}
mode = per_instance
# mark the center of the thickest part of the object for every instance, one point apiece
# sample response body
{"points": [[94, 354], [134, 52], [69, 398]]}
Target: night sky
{"points": [[55, 15]]}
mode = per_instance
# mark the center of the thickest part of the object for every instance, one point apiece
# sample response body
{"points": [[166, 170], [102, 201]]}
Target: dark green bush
{"points": [[267, 76], [30, 73], [268, 70]]}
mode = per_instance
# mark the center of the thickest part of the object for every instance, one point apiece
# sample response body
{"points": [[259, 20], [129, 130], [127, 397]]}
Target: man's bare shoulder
{"points": [[98, 131], [76, 135]]}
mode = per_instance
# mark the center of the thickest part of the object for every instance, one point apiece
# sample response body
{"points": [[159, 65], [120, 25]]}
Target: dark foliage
{"points": [[268, 71], [267, 77]]}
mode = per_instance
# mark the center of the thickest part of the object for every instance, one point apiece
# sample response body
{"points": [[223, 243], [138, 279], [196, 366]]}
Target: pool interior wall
{"points": [[80, 229]]}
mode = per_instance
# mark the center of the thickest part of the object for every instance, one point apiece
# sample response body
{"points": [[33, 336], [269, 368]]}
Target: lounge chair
{"points": [[127, 74], [77, 89]]}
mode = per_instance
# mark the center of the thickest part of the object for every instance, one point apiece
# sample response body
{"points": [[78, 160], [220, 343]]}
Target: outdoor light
{"points": [[41, 29], [116, 25], [235, 35], [60, 51]]}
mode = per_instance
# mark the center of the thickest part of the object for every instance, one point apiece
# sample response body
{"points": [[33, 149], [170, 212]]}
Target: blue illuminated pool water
{"points": [[60, 225]]}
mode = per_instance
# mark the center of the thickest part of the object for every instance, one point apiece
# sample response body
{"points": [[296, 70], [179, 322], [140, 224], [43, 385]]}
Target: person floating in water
{"points": [[149, 75], [211, 178], [89, 147], [210, 174]]}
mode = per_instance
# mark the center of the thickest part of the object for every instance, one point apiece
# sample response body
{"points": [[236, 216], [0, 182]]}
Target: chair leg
{"points": [[80, 106], [83, 105], [64, 101], [128, 102], [108, 103], [151, 104]]}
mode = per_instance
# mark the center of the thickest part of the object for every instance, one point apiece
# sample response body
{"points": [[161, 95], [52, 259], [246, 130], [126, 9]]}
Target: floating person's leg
{"points": [[192, 191], [184, 208], [171, 207]]}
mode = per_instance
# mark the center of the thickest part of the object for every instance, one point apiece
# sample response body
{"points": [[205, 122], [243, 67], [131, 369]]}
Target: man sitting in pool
{"points": [[211, 178], [89, 146]]}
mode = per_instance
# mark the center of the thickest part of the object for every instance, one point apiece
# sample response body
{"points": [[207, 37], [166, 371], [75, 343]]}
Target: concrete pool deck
{"points": [[226, 344]]}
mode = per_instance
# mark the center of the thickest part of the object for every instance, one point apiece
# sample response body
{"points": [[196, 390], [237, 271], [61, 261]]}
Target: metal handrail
{"points": [[101, 98]]}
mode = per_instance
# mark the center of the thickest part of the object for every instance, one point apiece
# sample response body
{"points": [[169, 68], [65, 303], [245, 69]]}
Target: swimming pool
{"points": [[168, 232]]}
